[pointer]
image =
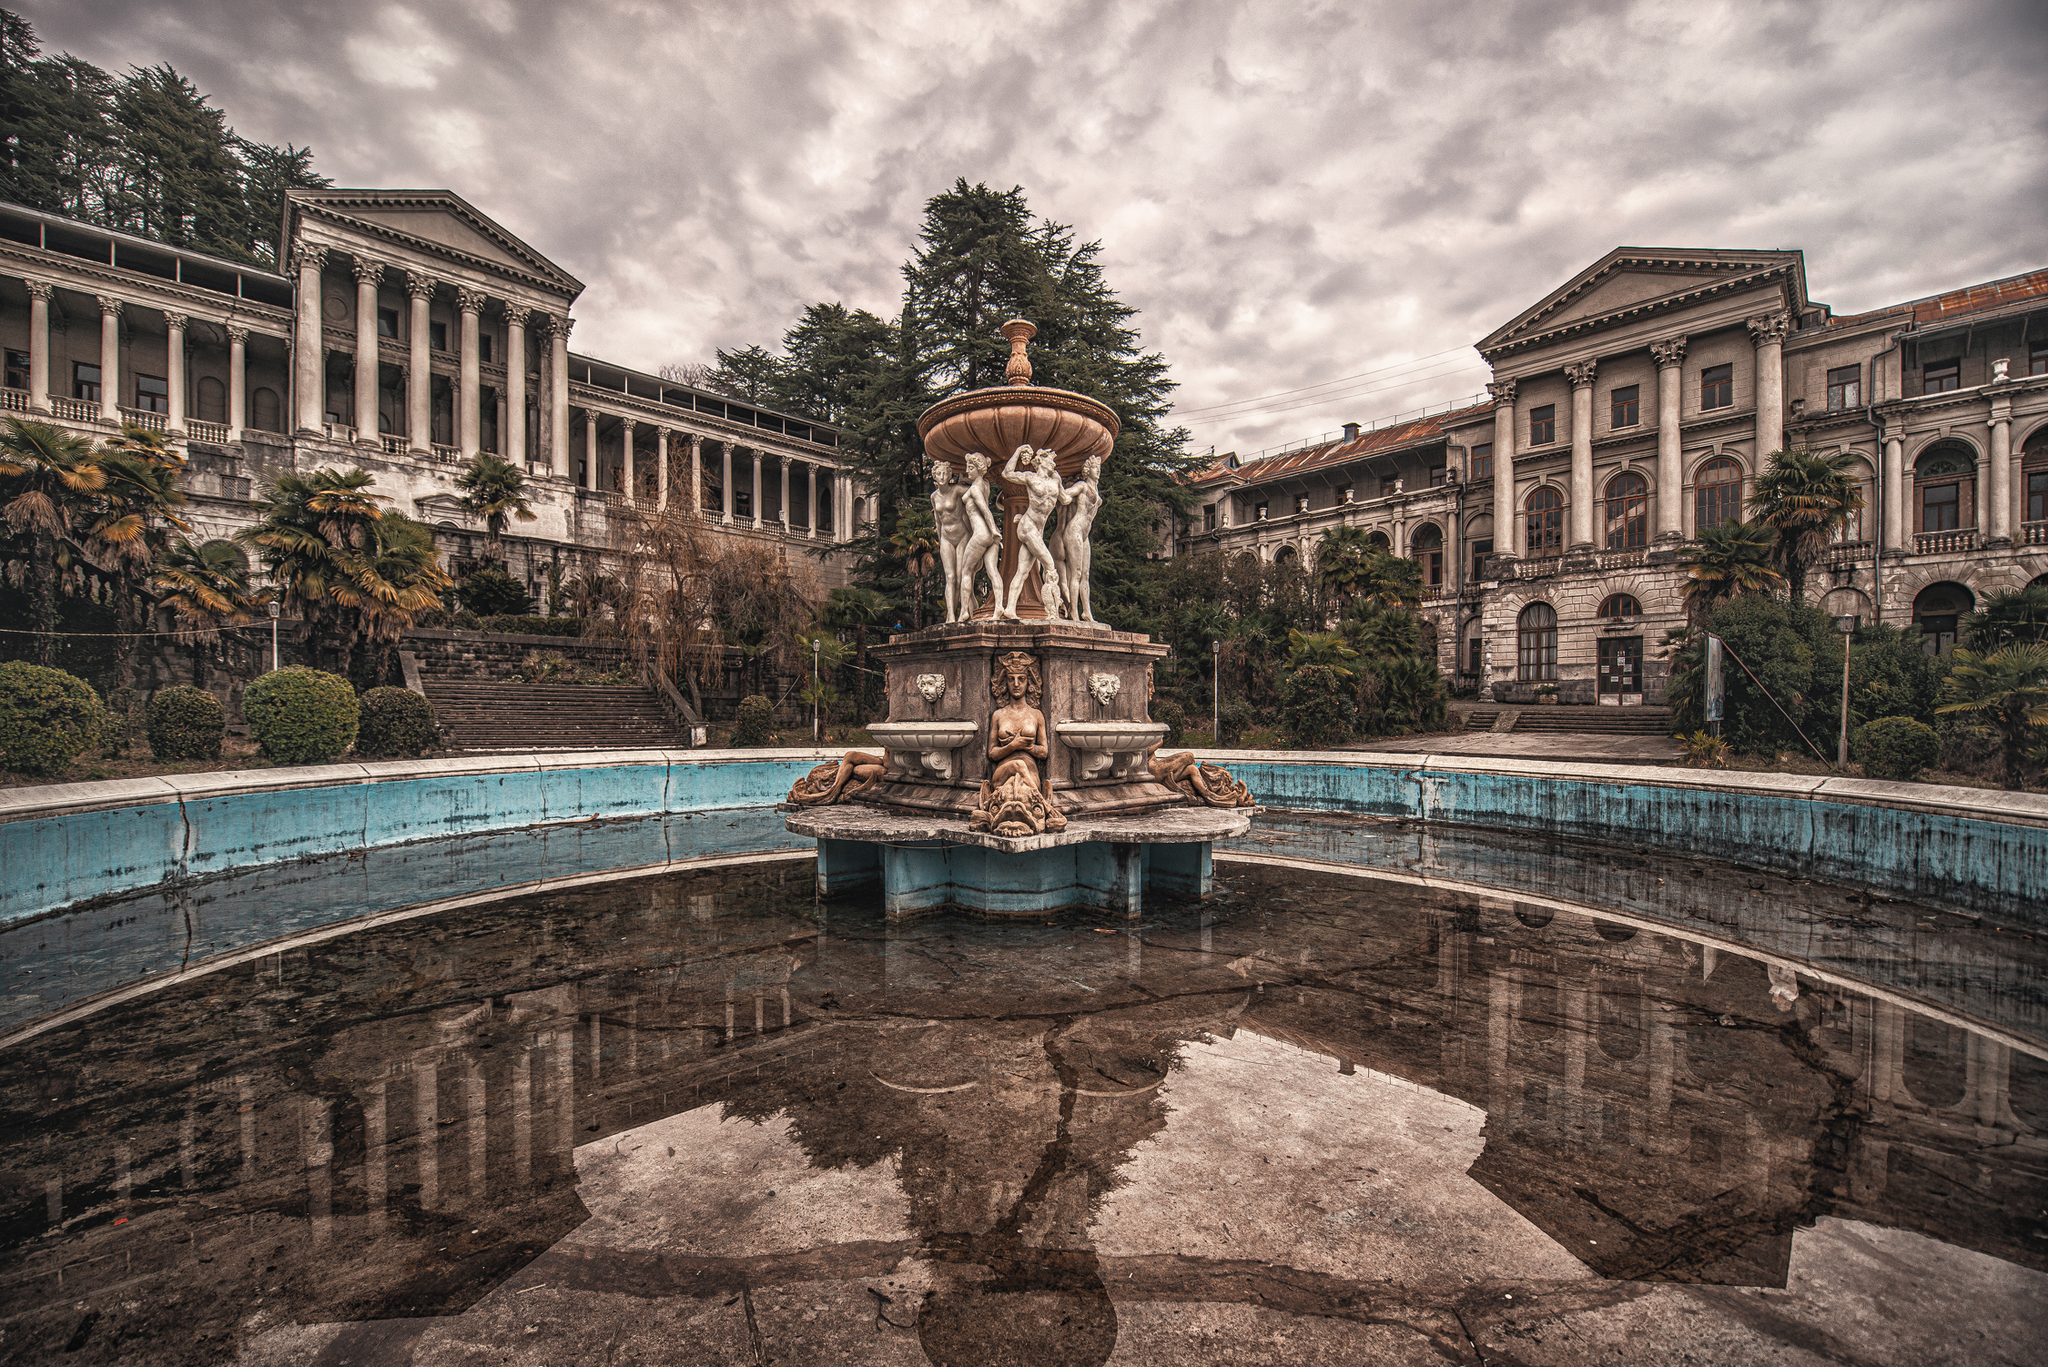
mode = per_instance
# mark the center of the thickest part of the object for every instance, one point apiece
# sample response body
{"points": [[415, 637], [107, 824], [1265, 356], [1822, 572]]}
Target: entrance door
{"points": [[1621, 671]]}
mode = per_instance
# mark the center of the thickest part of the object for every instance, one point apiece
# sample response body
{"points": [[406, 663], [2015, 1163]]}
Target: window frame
{"points": [[1543, 425], [1845, 387], [1482, 551], [1625, 412], [1717, 386], [79, 384], [1429, 557], [2037, 359], [1536, 645], [1548, 540], [1610, 606], [1634, 513], [1208, 517], [1941, 377], [391, 315], [1479, 462], [437, 335], [2036, 493], [1951, 506], [161, 395], [1718, 490], [22, 369]]}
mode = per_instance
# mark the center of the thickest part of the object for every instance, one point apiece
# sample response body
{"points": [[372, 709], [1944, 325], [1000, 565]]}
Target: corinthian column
{"points": [[369, 274], [1669, 355], [419, 376], [469, 304], [110, 360], [238, 381], [514, 427], [309, 360], [558, 390], [174, 373], [1507, 524], [696, 475], [756, 453], [1768, 333], [661, 469], [627, 476], [1581, 376], [39, 293]]}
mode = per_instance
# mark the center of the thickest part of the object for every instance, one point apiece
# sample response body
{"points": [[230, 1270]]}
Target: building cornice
{"points": [[555, 284], [1742, 271], [703, 424], [140, 288]]}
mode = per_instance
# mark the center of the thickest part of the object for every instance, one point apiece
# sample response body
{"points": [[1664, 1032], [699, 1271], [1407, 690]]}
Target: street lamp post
{"points": [[275, 611], [1847, 626], [817, 697], [1216, 694]]}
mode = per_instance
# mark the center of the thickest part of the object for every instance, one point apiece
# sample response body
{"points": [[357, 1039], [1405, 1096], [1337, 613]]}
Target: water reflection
{"points": [[707, 1112]]}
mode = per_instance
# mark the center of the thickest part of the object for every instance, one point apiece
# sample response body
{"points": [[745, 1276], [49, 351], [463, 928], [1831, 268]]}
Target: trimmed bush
{"points": [[396, 723], [1895, 747], [185, 723], [126, 722], [1316, 705], [756, 721], [300, 715], [532, 626], [1173, 715], [47, 717], [1233, 718], [491, 592]]}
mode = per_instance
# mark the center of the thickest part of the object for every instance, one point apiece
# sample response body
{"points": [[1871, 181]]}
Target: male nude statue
{"points": [[984, 549], [956, 528], [1041, 485], [1071, 548]]}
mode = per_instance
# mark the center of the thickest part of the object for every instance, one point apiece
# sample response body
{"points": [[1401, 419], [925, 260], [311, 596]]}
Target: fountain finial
{"points": [[1019, 331]]}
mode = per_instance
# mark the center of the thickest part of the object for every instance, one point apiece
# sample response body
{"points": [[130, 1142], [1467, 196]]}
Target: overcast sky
{"points": [[1291, 194]]}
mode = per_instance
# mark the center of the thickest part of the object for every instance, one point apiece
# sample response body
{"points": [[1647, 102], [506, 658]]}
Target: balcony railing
{"points": [[1945, 543], [143, 417], [447, 455], [393, 446], [1621, 560], [214, 432], [1536, 566], [75, 410], [1846, 553], [13, 401], [2034, 533], [340, 431]]}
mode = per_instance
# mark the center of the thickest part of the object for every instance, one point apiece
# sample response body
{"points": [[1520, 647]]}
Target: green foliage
{"points": [[532, 626], [1319, 649], [1892, 675], [1728, 561], [1794, 652], [1233, 719], [48, 481], [1805, 497], [1704, 751], [756, 721], [396, 723], [2015, 618], [490, 592], [1173, 716], [1317, 706], [301, 716], [185, 723], [495, 490], [1894, 747], [46, 718], [2007, 691], [1401, 693]]}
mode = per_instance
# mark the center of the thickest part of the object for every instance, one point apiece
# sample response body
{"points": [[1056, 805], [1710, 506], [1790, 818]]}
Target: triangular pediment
{"points": [[1632, 281], [438, 508], [434, 221]]}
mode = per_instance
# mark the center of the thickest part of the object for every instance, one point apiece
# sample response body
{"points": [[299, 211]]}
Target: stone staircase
{"points": [[480, 715], [1605, 721]]}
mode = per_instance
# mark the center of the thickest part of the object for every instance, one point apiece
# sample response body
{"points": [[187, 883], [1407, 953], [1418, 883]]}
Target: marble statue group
{"points": [[971, 535]]}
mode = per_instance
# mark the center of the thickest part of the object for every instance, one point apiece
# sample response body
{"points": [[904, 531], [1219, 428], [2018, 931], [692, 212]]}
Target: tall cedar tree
{"points": [[145, 154], [981, 259]]}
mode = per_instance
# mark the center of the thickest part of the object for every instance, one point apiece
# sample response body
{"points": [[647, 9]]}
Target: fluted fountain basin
{"points": [[923, 735], [997, 421], [1118, 736]]}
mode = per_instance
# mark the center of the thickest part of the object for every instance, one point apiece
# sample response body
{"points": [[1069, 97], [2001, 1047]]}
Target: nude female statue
{"points": [[984, 549], [1071, 548], [956, 529], [1017, 799], [1041, 486]]}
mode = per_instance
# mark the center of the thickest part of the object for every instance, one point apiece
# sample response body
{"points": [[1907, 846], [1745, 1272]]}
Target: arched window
{"points": [[1546, 522], [1945, 488], [1378, 541], [1628, 512], [265, 413], [1426, 548], [213, 401], [1937, 611], [1285, 555], [1717, 494], [1537, 632], [2034, 471], [1620, 605]]}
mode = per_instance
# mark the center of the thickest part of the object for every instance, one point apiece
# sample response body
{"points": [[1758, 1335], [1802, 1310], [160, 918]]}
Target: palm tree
{"points": [[1731, 559], [495, 490], [1342, 558], [1325, 649], [205, 588], [131, 525], [1387, 580], [1806, 497], [2015, 617], [390, 582], [318, 538], [916, 543], [855, 609], [46, 476], [2009, 689]]}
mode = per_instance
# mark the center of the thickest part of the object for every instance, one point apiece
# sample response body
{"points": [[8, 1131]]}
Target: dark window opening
{"points": [[1438, 474], [1426, 548], [437, 336], [1536, 660], [441, 423], [1628, 512], [1482, 551], [17, 370], [387, 323], [1475, 652], [483, 347], [152, 395], [1208, 517], [1845, 388], [1941, 507], [1939, 377], [1717, 386], [85, 382], [487, 434], [1482, 461], [1717, 494], [1546, 522], [2037, 496], [1626, 409], [1543, 425]]}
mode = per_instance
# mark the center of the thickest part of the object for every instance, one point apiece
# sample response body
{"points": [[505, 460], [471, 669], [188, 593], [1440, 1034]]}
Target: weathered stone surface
{"points": [[1176, 825]]}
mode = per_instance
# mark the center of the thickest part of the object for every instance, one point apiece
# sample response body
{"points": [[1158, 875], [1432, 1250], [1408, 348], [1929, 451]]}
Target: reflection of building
{"points": [[1632, 407], [411, 333]]}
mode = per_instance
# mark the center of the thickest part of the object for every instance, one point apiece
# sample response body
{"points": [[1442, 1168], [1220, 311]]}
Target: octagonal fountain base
{"points": [[1103, 865]]}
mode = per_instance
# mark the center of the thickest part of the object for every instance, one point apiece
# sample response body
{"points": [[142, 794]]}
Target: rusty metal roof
{"points": [[1954, 305], [1310, 458]]}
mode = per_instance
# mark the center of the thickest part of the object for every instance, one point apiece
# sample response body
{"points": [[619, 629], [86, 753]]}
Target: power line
{"points": [[1315, 400], [1326, 384]]}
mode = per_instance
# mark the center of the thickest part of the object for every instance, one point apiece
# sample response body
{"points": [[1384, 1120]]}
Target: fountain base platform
{"points": [[1102, 865]]}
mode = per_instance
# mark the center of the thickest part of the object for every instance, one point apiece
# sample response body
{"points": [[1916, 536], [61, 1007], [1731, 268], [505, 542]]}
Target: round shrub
{"points": [[490, 592], [1316, 706], [1895, 747], [300, 715], [185, 723], [756, 718], [397, 723], [46, 718], [1173, 715], [1233, 718]]}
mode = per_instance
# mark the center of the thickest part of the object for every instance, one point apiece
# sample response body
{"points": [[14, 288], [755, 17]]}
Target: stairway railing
{"points": [[680, 715]]}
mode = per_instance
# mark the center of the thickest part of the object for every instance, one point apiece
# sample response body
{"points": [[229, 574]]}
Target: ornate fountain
{"points": [[1018, 771]]}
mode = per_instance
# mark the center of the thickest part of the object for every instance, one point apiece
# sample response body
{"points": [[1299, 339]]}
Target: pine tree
{"points": [[180, 182], [57, 137], [267, 173], [751, 373]]}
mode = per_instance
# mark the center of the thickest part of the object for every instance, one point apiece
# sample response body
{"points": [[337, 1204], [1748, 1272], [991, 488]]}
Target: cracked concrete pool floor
{"points": [[703, 1118]]}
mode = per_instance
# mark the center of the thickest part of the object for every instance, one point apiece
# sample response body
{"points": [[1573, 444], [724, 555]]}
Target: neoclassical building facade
{"points": [[1635, 405], [411, 333]]}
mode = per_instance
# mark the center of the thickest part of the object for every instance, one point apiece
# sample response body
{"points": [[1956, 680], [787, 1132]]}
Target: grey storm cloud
{"points": [[1290, 194]]}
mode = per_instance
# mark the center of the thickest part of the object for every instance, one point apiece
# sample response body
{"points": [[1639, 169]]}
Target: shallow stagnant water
{"points": [[707, 1118]]}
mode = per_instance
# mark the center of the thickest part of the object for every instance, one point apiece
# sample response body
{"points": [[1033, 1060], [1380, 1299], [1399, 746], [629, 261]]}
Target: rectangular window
{"points": [[1475, 652], [1717, 386], [1626, 407], [1208, 517], [1543, 425], [1939, 377], [1482, 551], [1845, 388], [743, 503], [2037, 496], [1389, 485], [1941, 508], [437, 336], [483, 347], [1258, 512], [85, 382], [1438, 474], [2037, 364], [387, 323], [152, 395], [17, 370], [1482, 462]]}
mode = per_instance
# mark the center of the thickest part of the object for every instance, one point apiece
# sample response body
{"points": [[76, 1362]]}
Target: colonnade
{"points": [[816, 485]]}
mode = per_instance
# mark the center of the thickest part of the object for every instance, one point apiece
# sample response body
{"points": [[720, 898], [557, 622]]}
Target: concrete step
{"points": [[499, 717], [1481, 721], [1608, 721]]}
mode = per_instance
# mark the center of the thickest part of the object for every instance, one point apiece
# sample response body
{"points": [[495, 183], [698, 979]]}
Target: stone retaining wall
{"points": [[484, 656]]}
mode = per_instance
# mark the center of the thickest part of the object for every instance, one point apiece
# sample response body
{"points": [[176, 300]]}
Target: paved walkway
{"points": [[1568, 745]]}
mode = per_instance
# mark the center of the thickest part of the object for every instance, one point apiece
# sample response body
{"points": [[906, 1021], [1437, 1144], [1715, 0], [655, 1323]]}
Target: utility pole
{"points": [[275, 610], [817, 698], [1216, 694], [1847, 626]]}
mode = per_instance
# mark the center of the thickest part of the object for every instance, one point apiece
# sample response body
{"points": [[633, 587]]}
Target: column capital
{"points": [[40, 289], [469, 300], [109, 305], [627, 422], [237, 333], [557, 326], [1768, 328], [1502, 392], [306, 254], [517, 315], [366, 271], [177, 321], [1668, 352], [419, 285], [1581, 373]]}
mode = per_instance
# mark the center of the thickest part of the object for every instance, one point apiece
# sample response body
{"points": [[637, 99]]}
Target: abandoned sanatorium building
{"points": [[1632, 407], [412, 333]]}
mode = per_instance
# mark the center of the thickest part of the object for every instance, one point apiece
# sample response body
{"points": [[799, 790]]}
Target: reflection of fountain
{"points": [[1048, 794]]}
